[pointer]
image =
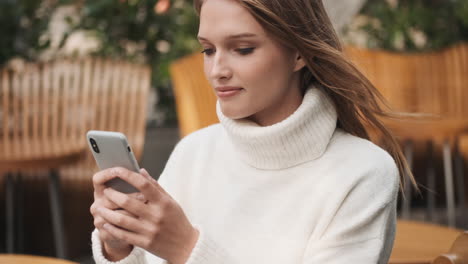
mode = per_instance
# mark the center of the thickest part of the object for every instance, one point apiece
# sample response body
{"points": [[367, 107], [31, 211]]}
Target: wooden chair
{"points": [[195, 99], [420, 243], [39, 131], [429, 83], [47, 109], [458, 253], [28, 259]]}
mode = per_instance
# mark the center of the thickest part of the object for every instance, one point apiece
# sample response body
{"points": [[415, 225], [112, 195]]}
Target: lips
{"points": [[227, 91], [227, 88]]}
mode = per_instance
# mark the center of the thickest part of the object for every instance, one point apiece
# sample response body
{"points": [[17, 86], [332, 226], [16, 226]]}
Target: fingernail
{"points": [[106, 226]]}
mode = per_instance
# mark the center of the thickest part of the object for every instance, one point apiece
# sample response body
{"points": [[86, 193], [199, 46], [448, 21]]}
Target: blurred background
{"points": [[67, 66]]}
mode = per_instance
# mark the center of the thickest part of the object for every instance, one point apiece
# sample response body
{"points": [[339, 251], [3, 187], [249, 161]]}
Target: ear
{"points": [[299, 62]]}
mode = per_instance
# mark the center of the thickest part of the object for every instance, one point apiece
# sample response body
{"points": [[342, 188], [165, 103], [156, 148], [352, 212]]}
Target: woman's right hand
{"points": [[113, 249]]}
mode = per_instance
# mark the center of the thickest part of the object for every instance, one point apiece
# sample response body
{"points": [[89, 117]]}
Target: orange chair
{"points": [[195, 99], [428, 83], [420, 243]]}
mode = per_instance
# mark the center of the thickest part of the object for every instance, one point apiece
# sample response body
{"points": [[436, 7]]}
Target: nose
{"points": [[220, 68]]}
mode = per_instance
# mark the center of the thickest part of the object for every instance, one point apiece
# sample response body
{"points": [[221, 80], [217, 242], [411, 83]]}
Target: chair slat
{"points": [[5, 82], [64, 100], [35, 102], [132, 99], [124, 89], [26, 109], [47, 103], [96, 92], [85, 88], [16, 93]]}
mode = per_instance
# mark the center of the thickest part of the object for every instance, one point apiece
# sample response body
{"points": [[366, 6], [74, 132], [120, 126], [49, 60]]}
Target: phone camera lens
{"points": [[94, 145]]}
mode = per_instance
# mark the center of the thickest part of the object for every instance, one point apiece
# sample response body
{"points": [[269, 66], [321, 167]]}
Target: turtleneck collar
{"points": [[301, 137]]}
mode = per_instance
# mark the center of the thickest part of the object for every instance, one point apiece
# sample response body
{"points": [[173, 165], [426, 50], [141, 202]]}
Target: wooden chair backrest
{"points": [[458, 253], [432, 83], [195, 99], [63, 99], [40, 103], [58, 102], [116, 95]]}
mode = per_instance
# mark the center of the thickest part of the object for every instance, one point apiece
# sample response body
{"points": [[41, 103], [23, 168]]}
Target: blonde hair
{"points": [[304, 25]]}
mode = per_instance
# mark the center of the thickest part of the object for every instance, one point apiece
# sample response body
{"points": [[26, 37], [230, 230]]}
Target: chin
{"points": [[235, 112]]}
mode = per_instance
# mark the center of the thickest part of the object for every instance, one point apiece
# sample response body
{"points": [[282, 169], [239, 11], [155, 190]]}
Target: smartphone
{"points": [[111, 149]]}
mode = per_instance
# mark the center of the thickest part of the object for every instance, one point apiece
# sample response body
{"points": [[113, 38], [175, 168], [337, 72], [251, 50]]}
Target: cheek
{"points": [[255, 72], [207, 68], [265, 72]]}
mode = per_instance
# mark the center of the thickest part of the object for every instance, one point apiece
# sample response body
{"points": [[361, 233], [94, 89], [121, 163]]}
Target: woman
{"points": [[287, 177]]}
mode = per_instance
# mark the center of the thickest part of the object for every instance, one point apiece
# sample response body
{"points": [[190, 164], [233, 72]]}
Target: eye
{"points": [[208, 52], [245, 51]]}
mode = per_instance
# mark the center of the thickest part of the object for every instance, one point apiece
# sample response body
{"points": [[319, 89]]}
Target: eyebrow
{"points": [[236, 36]]}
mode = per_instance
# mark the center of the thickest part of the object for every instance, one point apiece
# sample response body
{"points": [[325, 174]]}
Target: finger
{"points": [[126, 202], [120, 220], [101, 177], [98, 222], [102, 200], [138, 196], [145, 173], [105, 236], [129, 237], [146, 186], [122, 211]]}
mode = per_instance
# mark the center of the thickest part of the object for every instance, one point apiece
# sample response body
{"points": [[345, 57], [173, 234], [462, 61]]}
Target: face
{"points": [[253, 76]]}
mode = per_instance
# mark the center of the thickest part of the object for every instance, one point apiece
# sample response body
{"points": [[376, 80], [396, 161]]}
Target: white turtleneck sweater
{"points": [[299, 191]]}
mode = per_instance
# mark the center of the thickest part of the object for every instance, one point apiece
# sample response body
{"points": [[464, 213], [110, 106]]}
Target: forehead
{"points": [[221, 18]]}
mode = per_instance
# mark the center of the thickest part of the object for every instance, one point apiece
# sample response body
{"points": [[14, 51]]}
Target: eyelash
{"points": [[243, 51]]}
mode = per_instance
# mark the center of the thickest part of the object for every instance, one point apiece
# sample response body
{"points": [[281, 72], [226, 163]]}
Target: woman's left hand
{"points": [[158, 225]]}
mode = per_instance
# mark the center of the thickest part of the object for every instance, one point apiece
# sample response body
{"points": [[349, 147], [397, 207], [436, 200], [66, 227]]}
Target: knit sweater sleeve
{"points": [[362, 229], [135, 257], [206, 251]]}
